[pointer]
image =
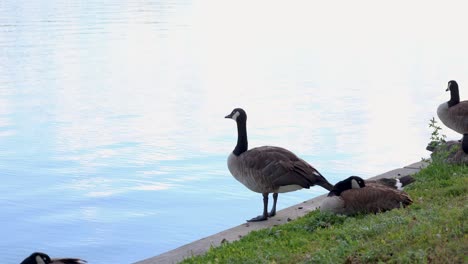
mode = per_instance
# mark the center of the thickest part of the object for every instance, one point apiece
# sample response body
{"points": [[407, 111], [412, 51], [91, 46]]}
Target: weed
{"points": [[436, 137]]}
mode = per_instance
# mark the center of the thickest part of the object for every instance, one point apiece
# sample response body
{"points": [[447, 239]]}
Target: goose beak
{"points": [[228, 116]]}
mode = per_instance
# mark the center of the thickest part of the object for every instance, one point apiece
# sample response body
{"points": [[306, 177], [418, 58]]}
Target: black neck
{"points": [[340, 187], [454, 96], [242, 143]]}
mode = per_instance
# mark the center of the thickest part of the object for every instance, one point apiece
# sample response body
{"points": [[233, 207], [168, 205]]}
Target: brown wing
{"points": [[460, 110], [373, 199], [281, 166]]}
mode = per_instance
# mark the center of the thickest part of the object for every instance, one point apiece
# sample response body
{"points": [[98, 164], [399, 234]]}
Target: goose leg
{"points": [[273, 209], [465, 143], [265, 210]]}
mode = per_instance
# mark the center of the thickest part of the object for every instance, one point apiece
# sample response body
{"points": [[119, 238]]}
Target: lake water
{"points": [[113, 142]]}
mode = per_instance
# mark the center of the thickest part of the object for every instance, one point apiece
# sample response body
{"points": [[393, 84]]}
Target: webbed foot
{"points": [[258, 218]]}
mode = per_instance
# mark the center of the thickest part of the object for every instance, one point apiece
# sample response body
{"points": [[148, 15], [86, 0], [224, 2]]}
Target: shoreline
{"points": [[283, 216]]}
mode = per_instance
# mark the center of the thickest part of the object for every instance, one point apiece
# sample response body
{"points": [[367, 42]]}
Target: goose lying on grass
{"points": [[394, 183], [355, 196]]}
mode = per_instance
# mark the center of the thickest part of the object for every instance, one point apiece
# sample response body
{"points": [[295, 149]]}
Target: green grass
{"points": [[432, 230]]}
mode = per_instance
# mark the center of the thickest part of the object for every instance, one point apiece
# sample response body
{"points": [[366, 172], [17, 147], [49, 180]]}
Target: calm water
{"points": [[113, 144]]}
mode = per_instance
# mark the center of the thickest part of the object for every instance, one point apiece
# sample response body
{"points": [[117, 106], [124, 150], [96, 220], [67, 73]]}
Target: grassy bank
{"points": [[432, 230]]}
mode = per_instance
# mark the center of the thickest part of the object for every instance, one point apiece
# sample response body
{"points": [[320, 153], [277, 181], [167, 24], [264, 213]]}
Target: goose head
{"points": [[353, 182], [454, 93], [452, 85], [42, 258], [238, 115], [37, 258]]}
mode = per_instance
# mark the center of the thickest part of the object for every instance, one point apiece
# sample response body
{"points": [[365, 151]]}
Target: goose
{"points": [[395, 183], [454, 114], [42, 258], [353, 196], [269, 169]]}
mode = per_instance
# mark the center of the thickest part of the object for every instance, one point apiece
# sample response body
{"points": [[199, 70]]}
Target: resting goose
{"points": [[353, 196], [395, 183], [454, 114], [42, 258], [269, 169]]}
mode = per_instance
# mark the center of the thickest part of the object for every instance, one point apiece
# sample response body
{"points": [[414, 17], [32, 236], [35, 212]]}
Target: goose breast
{"points": [[455, 117], [334, 204]]}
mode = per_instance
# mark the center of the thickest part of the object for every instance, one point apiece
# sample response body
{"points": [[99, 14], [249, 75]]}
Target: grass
{"points": [[432, 230]]}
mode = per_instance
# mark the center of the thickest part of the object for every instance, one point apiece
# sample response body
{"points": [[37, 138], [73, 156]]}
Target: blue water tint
{"points": [[113, 141]]}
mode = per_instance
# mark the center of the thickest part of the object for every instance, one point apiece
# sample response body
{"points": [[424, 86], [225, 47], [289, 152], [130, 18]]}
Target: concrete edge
{"points": [[200, 246]]}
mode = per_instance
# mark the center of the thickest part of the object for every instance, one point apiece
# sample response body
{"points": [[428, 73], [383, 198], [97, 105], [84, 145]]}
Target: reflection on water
{"points": [[111, 114]]}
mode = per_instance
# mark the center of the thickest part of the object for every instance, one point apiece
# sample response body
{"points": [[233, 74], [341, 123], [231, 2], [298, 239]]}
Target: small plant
{"points": [[441, 151], [436, 137]]}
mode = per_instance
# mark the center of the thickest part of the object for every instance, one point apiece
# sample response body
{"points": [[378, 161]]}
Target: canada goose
{"points": [[352, 196], [269, 169], [42, 258], [454, 114], [395, 183]]}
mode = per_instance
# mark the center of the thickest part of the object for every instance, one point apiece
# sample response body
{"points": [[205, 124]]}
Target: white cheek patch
{"points": [[355, 184], [235, 116], [399, 185], [448, 87], [39, 260]]}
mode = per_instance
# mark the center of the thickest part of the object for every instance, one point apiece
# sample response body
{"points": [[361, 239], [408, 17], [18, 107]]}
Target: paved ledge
{"points": [[283, 216]]}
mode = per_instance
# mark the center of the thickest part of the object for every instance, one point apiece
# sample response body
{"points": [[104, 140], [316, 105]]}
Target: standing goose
{"points": [[454, 114], [42, 258], [269, 169], [352, 196]]}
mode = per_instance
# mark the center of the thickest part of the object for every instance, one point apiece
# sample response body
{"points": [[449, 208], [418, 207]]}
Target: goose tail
{"points": [[406, 200]]}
